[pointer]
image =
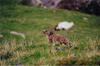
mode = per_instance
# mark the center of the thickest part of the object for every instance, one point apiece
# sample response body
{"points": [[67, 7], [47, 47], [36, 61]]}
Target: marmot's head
{"points": [[48, 32]]}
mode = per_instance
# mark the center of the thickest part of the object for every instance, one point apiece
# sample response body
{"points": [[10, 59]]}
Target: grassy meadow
{"points": [[35, 48]]}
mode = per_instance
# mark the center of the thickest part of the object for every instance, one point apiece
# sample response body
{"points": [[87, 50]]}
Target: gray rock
{"points": [[42, 3], [1, 36], [18, 34]]}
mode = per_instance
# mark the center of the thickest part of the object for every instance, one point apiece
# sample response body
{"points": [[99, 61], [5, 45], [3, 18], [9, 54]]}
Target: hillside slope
{"points": [[35, 49]]}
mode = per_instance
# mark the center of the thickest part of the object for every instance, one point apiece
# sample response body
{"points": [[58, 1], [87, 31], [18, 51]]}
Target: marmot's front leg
{"points": [[50, 41]]}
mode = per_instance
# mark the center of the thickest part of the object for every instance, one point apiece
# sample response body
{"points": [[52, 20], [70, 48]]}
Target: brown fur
{"points": [[53, 38]]}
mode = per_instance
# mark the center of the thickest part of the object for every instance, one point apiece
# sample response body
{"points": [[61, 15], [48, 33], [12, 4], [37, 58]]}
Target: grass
{"points": [[35, 49]]}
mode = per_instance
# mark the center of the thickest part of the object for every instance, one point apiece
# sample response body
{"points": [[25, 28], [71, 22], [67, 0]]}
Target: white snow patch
{"points": [[65, 25]]}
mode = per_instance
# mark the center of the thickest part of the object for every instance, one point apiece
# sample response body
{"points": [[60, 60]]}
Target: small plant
{"points": [[37, 55]]}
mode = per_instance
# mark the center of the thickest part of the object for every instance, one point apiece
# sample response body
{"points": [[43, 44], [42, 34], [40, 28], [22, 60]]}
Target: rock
{"points": [[32, 2], [87, 6], [42, 3], [85, 18], [1, 36], [18, 34], [64, 25], [51, 3]]}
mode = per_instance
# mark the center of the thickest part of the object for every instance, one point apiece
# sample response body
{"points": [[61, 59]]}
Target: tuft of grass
{"points": [[37, 55]]}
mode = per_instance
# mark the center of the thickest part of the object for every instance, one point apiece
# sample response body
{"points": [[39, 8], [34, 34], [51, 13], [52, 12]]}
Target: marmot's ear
{"points": [[44, 31]]}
